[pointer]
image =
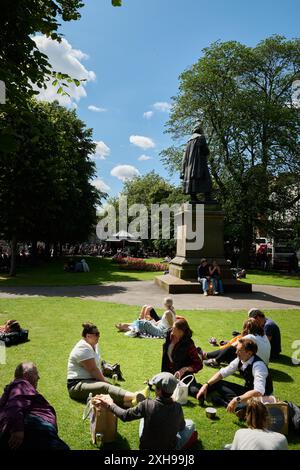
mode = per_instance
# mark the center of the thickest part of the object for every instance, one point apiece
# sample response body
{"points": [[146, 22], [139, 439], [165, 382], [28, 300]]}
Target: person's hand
{"points": [[16, 439], [105, 400], [232, 406], [179, 373], [202, 392]]}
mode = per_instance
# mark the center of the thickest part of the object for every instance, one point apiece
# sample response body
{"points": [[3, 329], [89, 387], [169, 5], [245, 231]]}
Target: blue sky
{"points": [[135, 55]]}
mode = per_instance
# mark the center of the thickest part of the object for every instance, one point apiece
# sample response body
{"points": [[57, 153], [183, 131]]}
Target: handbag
{"points": [[111, 369], [182, 390]]}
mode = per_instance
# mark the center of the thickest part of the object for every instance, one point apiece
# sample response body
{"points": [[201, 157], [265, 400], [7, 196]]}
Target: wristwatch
{"points": [[238, 399]]}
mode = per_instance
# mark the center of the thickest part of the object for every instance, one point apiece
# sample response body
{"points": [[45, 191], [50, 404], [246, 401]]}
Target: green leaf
{"points": [[60, 90], [116, 3]]}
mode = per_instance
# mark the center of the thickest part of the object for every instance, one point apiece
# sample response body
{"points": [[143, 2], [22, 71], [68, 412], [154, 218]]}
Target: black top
{"points": [[203, 271], [184, 354], [247, 374], [163, 419]]}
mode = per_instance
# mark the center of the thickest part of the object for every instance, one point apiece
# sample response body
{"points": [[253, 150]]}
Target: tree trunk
{"points": [[244, 258], [13, 258], [33, 252], [47, 250]]}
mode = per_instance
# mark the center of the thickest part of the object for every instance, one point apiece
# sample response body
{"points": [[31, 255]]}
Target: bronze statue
{"points": [[194, 170]]}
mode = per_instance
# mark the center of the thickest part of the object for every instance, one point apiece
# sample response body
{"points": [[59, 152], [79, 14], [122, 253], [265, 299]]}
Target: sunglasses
{"points": [[96, 334]]}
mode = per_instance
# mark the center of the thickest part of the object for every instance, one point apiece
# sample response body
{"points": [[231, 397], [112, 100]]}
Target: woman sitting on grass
{"points": [[85, 375], [180, 355], [257, 437], [227, 353], [151, 327]]}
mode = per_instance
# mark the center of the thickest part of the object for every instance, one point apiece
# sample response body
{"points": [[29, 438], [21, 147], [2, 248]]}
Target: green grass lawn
{"points": [[272, 278], [55, 326], [102, 270]]}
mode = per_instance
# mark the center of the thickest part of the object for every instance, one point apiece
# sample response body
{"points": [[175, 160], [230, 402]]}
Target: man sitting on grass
{"points": [[163, 426], [27, 420], [255, 373]]}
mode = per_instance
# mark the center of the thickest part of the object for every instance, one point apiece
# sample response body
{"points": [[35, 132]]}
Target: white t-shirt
{"points": [[163, 322], [82, 351], [258, 439], [263, 346]]}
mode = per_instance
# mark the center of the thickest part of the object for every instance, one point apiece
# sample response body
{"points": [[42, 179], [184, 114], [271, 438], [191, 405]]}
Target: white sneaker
{"points": [[131, 333], [205, 292], [216, 293]]}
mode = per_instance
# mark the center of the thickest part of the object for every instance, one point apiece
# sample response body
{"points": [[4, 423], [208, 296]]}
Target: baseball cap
{"points": [[165, 382]]}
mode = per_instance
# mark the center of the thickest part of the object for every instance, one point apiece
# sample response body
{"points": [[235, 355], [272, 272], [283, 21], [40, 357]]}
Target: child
{"points": [[163, 426]]}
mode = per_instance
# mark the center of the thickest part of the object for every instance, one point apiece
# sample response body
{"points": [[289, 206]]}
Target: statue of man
{"points": [[194, 171]]}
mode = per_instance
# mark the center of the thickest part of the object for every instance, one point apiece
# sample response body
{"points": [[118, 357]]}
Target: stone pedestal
{"points": [[207, 221]]}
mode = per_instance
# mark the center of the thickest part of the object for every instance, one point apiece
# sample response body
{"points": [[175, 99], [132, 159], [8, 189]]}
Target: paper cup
{"points": [[211, 412]]}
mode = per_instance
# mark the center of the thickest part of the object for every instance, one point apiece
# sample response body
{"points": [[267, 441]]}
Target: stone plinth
{"points": [[207, 222]]}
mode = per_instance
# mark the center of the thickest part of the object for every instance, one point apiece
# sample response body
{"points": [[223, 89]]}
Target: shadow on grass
{"points": [[51, 273], [121, 443], [65, 291], [282, 359], [263, 296], [293, 438], [280, 376]]}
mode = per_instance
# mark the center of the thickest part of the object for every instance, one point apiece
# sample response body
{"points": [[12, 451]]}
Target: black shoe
{"points": [[235, 333]]}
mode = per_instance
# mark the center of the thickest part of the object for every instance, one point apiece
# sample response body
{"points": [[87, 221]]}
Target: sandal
{"points": [[213, 342]]}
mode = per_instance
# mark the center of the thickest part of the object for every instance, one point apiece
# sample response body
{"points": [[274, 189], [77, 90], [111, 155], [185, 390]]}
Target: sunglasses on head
{"points": [[96, 333]]}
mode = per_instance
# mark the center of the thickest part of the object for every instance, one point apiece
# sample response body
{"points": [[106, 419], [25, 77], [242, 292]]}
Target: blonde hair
{"points": [[256, 414], [168, 301]]}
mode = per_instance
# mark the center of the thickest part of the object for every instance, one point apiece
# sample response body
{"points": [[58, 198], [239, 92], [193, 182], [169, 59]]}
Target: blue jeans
{"points": [[149, 328], [204, 283], [218, 285], [182, 436]]}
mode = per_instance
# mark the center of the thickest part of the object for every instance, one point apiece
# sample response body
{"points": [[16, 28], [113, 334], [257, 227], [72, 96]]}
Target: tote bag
{"points": [[181, 391]]}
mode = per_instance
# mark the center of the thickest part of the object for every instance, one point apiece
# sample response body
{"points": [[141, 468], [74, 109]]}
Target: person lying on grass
{"points": [[162, 426], [152, 327]]}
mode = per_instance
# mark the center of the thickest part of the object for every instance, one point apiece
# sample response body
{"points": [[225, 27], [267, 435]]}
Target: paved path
{"points": [[146, 292]]}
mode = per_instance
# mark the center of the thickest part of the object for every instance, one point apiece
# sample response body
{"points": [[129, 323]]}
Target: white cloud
{"points": [[162, 106], [125, 172], [96, 109], [65, 59], [101, 185], [141, 141], [148, 114], [144, 158], [102, 151]]}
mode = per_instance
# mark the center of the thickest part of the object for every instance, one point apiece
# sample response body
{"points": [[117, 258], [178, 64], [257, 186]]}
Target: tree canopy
{"points": [[243, 97], [45, 183]]}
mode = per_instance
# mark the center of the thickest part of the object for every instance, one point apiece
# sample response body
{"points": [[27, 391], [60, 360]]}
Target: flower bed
{"points": [[139, 264]]}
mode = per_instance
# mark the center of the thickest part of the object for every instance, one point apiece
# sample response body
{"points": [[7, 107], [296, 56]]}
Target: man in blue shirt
{"points": [[271, 330]]}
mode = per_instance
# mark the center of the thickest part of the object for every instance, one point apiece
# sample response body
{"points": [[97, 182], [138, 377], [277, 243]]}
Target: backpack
{"points": [[15, 337], [294, 416]]}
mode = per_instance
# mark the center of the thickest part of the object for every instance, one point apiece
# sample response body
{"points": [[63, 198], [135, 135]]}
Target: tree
{"points": [[147, 190], [45, 188], [243, 97]]}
